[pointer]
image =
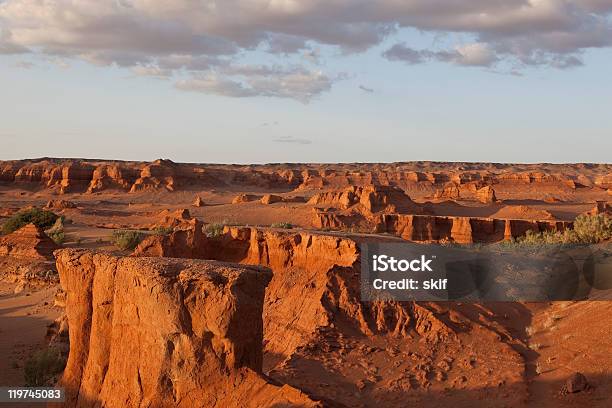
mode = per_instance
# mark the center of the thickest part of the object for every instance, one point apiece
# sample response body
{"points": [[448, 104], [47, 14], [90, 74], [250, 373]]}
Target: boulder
{"points": [[244, 198], [576, 382], [271, 199]]}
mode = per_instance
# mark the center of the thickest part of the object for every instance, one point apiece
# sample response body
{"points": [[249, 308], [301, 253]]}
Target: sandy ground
{"points": [[24, 319]]}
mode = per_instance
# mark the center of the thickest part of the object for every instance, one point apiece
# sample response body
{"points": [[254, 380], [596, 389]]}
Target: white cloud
{"points": [[168, 37]]}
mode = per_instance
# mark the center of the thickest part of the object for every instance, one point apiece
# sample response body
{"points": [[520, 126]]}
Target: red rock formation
{"points": [[60, 204], [601, 207], [198, 202], [271, 199], [313, 315], [486, 195], [449, 192], [371, 198], [65, 175], [173, 219], [244, 198], [27, 242], [186, 242], [165, 333]]}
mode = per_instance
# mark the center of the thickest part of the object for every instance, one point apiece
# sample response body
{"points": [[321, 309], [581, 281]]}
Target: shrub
{"points": [[214, 230], [126, 239], [593, 228], [41, 218], [588, 229], [284, 225], [57, 236], [42, 367]]}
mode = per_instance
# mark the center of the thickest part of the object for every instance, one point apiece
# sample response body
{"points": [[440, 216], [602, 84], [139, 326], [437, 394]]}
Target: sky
{"points": [[275, 81]]}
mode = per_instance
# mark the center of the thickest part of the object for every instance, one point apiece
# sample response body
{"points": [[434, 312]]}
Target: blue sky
{"points": [[329, 99]]}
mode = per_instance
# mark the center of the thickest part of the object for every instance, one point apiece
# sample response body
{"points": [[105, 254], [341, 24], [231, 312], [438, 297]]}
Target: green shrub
{"points": [[57, 236], [284, 225], [593, 228], [588, 229], [214, 230], [126, 239], [41, 218], [42, 366]]}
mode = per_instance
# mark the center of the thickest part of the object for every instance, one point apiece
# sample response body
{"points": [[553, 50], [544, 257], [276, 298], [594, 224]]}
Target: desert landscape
{"points": [[208, 285]]}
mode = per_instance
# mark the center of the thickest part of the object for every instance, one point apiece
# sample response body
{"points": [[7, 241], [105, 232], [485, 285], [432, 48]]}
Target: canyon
{"points": [[244, 287]]}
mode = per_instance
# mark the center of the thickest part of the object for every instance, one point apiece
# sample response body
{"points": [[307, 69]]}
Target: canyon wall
{"points": [[166, 333], [431, 228]]}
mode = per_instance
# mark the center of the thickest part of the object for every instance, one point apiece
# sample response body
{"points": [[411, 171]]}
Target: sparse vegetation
{"points": [[127, 239], [214, 230], [41, 218], [57, 236], [42, 367], [593, 228], [284, 225], [162, 230], [56, 232], [588, 229]]}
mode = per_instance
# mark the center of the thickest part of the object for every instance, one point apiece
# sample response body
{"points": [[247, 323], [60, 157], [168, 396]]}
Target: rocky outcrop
{"points": [[271, 199], [314, 317], [486, 195], [371, 198], [29, 241], [601, 207], [166, 333], [245, 198], [198, 202], [188, 241], [449, 192], [180, 218], [60, 204]]}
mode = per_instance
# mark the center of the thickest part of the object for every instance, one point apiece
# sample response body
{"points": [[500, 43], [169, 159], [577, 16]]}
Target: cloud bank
{"points": [[203, 45]]}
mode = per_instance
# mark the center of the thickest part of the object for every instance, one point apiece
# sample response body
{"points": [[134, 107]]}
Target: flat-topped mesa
{"points": [[29, 241], [166, 333]]}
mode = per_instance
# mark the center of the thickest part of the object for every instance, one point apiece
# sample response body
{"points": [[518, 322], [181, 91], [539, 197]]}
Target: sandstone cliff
{"points": [[166, 333]]}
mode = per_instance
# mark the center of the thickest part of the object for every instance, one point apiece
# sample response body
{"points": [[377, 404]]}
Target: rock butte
{"points": [[166, 333]]}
